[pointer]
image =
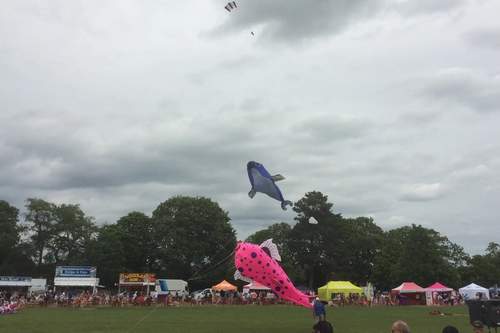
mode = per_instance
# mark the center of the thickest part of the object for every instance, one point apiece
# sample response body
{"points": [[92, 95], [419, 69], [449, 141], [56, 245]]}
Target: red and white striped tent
{"points": [[254, 286], [408, 287]]}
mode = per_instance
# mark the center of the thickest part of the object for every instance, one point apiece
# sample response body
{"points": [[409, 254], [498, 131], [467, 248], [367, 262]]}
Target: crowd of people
{"points": [[223, 297], [11, 302], [219, 297], [138, 298]]}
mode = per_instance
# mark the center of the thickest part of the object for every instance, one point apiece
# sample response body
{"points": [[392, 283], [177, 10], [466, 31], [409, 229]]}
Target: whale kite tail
{"points": [[285, 203]]}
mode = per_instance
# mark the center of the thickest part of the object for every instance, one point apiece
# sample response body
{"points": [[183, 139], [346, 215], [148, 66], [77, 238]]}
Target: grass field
{"points": [[240, 319]]}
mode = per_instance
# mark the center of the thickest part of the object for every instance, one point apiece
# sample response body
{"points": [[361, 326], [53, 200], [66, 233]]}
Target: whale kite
{"points": [[263, 182]]}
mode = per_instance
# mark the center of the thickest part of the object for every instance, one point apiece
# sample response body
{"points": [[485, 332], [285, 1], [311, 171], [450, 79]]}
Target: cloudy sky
{"points": [[389, 107]]}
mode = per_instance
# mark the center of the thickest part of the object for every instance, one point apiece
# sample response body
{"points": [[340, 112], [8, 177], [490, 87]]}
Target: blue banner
{"points": [[76, 271], [15, 278]]}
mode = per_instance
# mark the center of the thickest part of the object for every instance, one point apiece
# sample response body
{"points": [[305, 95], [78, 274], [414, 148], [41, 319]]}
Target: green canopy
{"points": [[345, 287]]}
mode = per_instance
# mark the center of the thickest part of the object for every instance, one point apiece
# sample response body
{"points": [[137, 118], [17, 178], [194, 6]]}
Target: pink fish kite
{"points": [[254, 264]]}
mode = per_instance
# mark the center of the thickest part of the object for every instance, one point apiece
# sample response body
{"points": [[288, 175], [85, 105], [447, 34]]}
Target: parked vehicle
{"points": [[165, 287]]}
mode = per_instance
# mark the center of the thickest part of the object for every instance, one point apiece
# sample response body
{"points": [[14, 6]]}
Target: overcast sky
{"points": [[391, 108]]}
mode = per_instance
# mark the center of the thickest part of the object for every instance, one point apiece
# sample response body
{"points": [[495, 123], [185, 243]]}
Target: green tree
{"points": [[72, 231], [482, 269], [364, 240], [107, 252], [192, 233], [384, 271], [414, 253], [41, 223], [10, 232], [493, 250], [138, 238], [320, 250]]}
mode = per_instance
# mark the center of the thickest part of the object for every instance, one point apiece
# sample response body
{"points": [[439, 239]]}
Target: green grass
{"points": [[240, 319]]}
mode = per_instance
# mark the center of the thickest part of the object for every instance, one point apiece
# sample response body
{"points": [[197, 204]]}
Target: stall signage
{"points": [[137, 277], [76, 272]]}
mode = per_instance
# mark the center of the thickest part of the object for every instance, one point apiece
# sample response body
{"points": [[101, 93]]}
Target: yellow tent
{"points": [[345, 287], [224, 285]]}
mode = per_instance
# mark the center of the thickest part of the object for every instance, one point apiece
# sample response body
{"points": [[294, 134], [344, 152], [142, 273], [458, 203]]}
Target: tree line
{"points": [[191, 238]]}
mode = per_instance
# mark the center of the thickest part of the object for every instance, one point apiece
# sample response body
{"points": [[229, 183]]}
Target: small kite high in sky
{"points": [[312, 220], [263, 182], [230, 5]]}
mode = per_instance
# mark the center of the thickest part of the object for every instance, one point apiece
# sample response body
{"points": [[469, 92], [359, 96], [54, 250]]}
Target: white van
{"points": [[164, 287]]}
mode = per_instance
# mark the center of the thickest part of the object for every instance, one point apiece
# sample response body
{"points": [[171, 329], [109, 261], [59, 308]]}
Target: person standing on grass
{"points": [[319, 311]]}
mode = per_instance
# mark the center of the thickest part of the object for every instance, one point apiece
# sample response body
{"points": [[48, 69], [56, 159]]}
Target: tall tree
{"points": [[482, 269], [319, 249], [139, 243], [384, 272], [10, 231], [41, 219], [190, 233], [414, 253], [72, 231], [364, 240], [107, 252]]}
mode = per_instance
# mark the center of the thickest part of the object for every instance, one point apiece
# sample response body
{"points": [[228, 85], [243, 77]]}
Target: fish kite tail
{"points": [[285, 203]]}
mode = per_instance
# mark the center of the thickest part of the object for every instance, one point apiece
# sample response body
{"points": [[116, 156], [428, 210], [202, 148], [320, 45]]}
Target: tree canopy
{"points": [[192, 238]]}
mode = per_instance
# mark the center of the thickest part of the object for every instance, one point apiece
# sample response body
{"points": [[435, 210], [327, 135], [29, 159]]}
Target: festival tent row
{"points": [[415, 294], [345, 287]]}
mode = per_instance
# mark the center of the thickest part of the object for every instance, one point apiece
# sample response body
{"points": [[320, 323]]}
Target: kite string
{"points": [[210, 259], [223, 264], [216, 271], [144, 318]]}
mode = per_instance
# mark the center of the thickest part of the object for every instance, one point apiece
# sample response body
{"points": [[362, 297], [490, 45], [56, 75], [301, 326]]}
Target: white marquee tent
{"points": [[472, 289]]}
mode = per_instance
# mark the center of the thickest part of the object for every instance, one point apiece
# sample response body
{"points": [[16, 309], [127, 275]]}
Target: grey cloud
{"points": [[421, 114], [323, 133], [295, 20], [330, 127], [285, 21], [148, 109], [484, 37], [459, 86], [427, 6], [239, 63], [196, 78], [421, 192]]}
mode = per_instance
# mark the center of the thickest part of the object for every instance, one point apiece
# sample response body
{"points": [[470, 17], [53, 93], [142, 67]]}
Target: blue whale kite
{"points": [[263, 182]]}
